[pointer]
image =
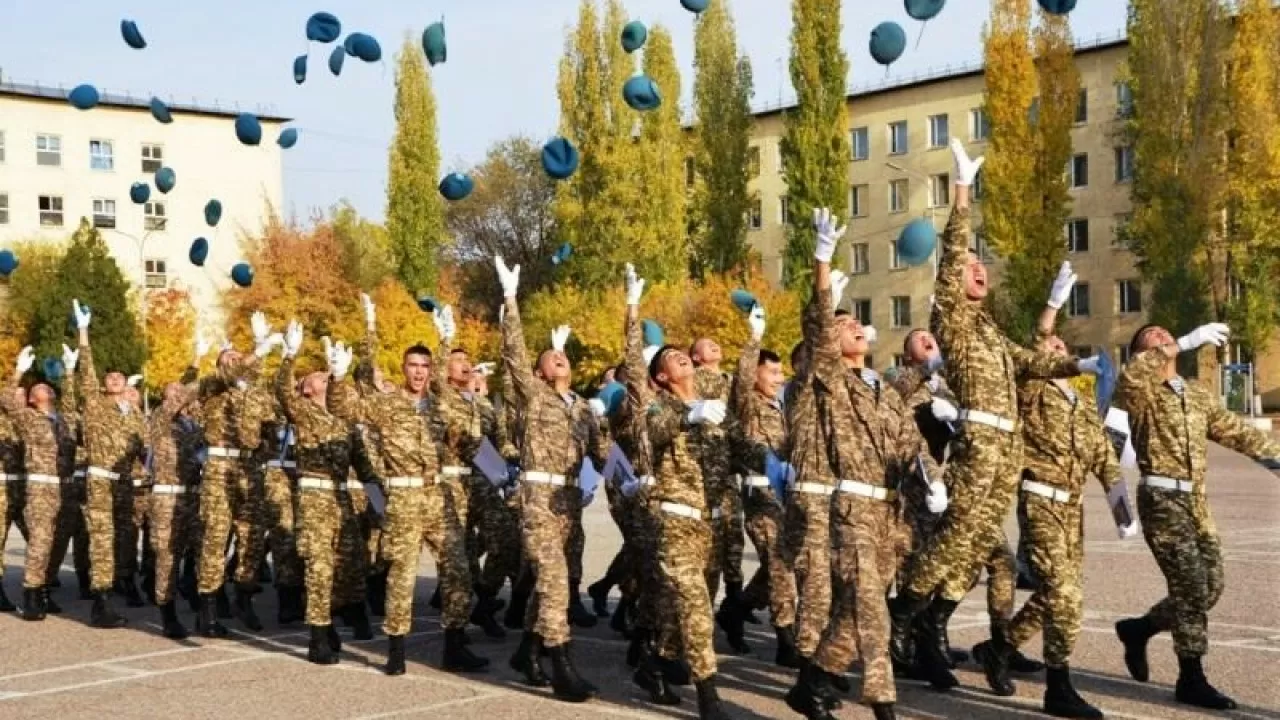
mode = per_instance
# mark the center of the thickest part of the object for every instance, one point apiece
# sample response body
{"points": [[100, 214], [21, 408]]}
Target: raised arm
{"points": [[664, 420], [9, 398], [1227, 429], [952, 310]]}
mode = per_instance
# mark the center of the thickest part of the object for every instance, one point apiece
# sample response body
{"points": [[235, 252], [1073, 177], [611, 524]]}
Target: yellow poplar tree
{"points": [[662, 170], [171, 327]]}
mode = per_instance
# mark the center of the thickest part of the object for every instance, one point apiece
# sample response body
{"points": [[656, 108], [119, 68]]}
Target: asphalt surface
{"points": [[62, 669]]}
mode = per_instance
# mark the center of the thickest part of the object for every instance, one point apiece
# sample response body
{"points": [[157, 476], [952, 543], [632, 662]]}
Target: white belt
{"points": [[685, 511], [100, 473], [78, 475], [405, 482], [44, 479], [815, 488], [541, 477], [988, 419], [1167, 483], [315, 483], [1046, 491], [755, 481], [141, 482], [225, 452], [173, 490], [290, 464], [455, 471], [716, 513], [647, 480], [866, 490], [10, 477], [351, 486]]}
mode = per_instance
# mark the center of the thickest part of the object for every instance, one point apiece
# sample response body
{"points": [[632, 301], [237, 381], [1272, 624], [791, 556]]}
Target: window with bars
{"points": [[153, 217], [104, 213], [50, 210], [152, 157], [156, 276], [49, 150], [101, 155]]}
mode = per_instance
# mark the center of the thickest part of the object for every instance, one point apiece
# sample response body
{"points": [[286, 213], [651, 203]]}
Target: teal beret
{"points": [[199, 252], [323, 27], [924, 9], [8, 263], [917, 241], [888, 42], [160, 111], [1058, 7], [248, 129], [456, 186], [336, 58], [559, 158], [743, 300], [288, 138], [433, 44], [634, 36], [300, 69], [641, 93], [132, 35], [84, 97], [213, 213], [166, 179], [242, 274], [140, 192]]}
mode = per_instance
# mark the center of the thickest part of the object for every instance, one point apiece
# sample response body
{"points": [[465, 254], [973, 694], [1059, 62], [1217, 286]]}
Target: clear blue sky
{"points": [[499, 79]]}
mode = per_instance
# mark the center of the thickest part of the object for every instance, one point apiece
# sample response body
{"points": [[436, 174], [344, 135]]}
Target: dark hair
{"points": [[797, 353], [458, 351], [1133, 344], [655, 365], [906, 342], [620, 373], [769, 356], [842, 313], [418, 349]]}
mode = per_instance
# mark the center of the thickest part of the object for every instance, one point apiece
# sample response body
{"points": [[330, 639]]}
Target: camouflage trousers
{"points": [[99, 520], [43, 506], [458, 489], [353, 546], [576, 544], [326, 527], [175, 529], [415, 515], [1184, 540], [129, 511], [808, 543], [12, 499], [278, 521], [1055, 545], [492, 532], [546, 514], [230, 499], [727, 541], [655, 599], [684, 546], [1002, 579], [774, 583], [71, 526], [865, 540]]}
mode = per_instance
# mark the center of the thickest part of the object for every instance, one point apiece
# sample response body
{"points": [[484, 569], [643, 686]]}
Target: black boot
{"points": [[320, 651], [356, 618], [32, 604], [525, 661], [565, 681], [1020, 664], [5, 604], [675, 671], [173, 628], [936, 619], [187, 589], [264, 572], [1134, 633], [483, 614], [102, 616], [649, 677], [599, 593], [807, 696], [84, 583], [1193, 687], [514, 617], [709, 707], [639, 646], [457, 658], [395, 655], [223, 604], [787, 656], [730, 620], [435, 601], [149, 584], [734, 590], [1062, 700], [932, 661], [902, 611], [579, 616], [994, 655], [883, 711], [839, 682], [334, 639], [46, 600], [377, 589], [244, 608], [207, 621], [618, 623], [129, 589], [54, 582], [289, 608]]}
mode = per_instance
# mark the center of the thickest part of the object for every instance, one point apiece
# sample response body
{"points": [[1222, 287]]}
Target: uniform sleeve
{"points": [[440, 380], [344, 402], [664, 421], [1227, 429], [1105, 465], [295, 406], [828, 367], [69, 402], [257, 409], [1031, 365], [87, 375], [743, 393], [953, 313], [1138, 378], [515, 355]]}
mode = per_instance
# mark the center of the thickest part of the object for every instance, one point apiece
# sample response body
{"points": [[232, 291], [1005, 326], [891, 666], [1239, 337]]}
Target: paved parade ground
{"points": [[60, 669]]}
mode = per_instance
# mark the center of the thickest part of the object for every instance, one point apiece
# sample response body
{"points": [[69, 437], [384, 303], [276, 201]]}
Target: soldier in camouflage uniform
{"points": [[113, 433], [1171, 420], [278, 472], [558, 434], [676, 420], [12, 485], [982, 368], [70, 525], [129, 510]]}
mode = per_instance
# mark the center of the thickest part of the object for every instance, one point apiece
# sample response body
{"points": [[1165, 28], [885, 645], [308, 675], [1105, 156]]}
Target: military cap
{"points": [[1058, 7], [213, 213], [132, 35], [288, 138], [653, 334], [917, 241], [199, 252], [336, 58], [559, 158], [363, 46], [8, 263], [323, 27], [924, 9], [160, 111], [166, 178], [433, 44], [694, 6], [641, 93], [888, 41], [634, 36], [53, 369], [248, 129], [84, 97], [242, 274], [562, 254], [456, 186], [140, 192], [743, 300], [300, 69], [427, 304]]}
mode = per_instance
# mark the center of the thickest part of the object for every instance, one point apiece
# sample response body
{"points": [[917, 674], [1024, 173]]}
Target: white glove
{"points": [[936, 500], [707, 412], [869, 332], [134, 380], [370, 312], [966, 169], [27, 359], [227, 345], [1127, 531], [502, 315], [1212, 334], [508, 277], [444, 323], [293, 339], [484, 368], [1061, 290], [933, 364], [202, 348], [944, 410], [339, 357], [263, 349], [839, 281], [635, 286], [559, 337], [597, 407], [83, 315], [1089, 365], [756, 321], [70, 358], [261, 330], [828, 235]]}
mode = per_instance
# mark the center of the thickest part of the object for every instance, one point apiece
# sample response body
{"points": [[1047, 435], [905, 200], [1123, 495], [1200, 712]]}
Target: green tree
{"points": [[415, 216], [366, 248], [722, 90], [815, 144], [22, 290], [662, 170], [88, 273]]}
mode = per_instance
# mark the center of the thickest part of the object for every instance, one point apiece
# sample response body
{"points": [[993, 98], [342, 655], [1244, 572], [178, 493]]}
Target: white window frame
{"points": [[856, 307], [1073, 179], [51, 152], [900, 305], [1078, 291], [1124, 99], [894, 148], [54, 215], [155, 273], [859, 258], [899, 195], [1121, 295], [101, 218], [753, 161], [940, 190], [147, 154], [979, 125], [895, 258], [153, 221], [1122, 353], [99, 160], [1, 147], [4, 208], [1082, 104], [755, 214], [1124, 163], [784, 211], [859, 197], [977, 189], [939, 130], [1071, 230], [860, 143]]}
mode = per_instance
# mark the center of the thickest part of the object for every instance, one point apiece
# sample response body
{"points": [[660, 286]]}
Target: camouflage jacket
{"points": [[918, 392], [113, 432], [804, 407], [759, 426], [175, 441], [628, 426], [46, 443], [983, 366], [466, 419], [1063, 439], [1170, 431], [324, 441]]}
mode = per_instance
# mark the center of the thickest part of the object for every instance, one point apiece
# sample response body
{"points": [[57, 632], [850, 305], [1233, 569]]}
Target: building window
{"points": [[1124, 99], [49, 150], [101, 155], [1129, 296], [153, 216], [940, 190], [784, 210], [1078, 303], [1124, 164], [782, 160], [898, 190], [4, 208], [1238, 354], [898, 137], [755, 216], [861, 143], [858, 200], [1082, 107], [50, 210], [1122, 352], [104, 213], [861, 258], [1078, 171], [690, 172], [901, 317], [1, 146], [156, 277], [899, 360], [1119, 228], [152, 158], [939, 131], [1078, 235], [895, 260], [979, 125], [861, 311], [753, 161], [982, 248]]}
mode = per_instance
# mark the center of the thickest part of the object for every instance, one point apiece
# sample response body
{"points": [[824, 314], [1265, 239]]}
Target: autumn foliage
{"points": [[170, 336]]}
